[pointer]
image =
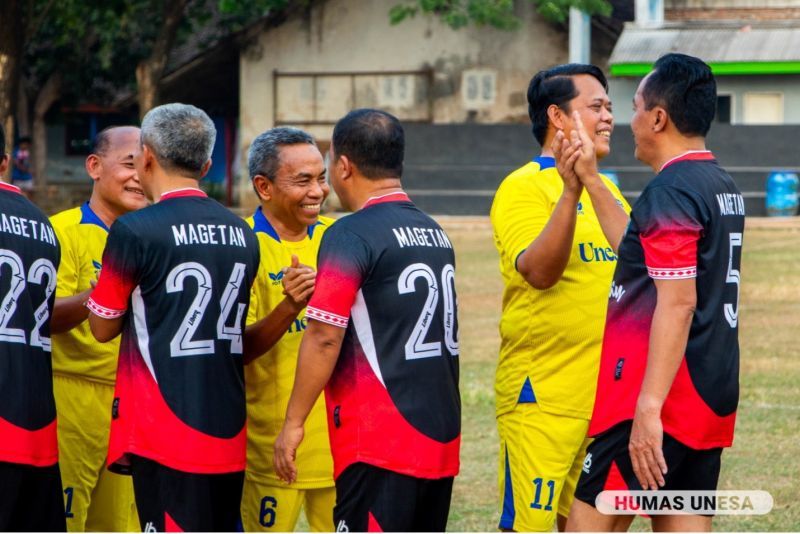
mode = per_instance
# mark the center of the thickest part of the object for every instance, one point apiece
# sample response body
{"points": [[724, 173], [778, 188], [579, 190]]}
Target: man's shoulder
{"points": [[66, 218]]}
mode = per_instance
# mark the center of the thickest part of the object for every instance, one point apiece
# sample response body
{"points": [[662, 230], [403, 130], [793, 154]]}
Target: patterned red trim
{"points": [[10, 188], [102, 311], [327, 317], [692, 155], [398, 196], [185, 192], [672, 273]]}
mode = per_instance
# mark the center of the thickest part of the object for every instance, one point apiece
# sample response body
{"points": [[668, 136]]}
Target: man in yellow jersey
{"points": [[83, 370], [288, 175], [556, 266]]}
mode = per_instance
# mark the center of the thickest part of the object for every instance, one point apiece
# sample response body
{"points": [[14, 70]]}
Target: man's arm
{"points": [[103, 329], [298, 286], [69, 312], [669, 333], [544, 261], [316, 360], [612, 216]]}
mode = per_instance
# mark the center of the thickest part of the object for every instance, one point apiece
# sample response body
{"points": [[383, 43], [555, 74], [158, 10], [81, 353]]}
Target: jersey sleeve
{"points": [[670, 226], [343, 263], [120, 274], [522, 213], [67, 277]]}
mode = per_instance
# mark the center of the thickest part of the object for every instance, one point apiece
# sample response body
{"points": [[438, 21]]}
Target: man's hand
{"points": [[566, 154], [586, 164], [298, 283], [286, 451], [645, 446]]}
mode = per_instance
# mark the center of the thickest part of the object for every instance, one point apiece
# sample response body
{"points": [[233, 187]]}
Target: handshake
{"points": [[576, 159]]}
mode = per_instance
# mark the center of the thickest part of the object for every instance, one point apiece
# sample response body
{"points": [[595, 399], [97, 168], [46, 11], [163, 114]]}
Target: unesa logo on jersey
{"points": [[590, 253]]}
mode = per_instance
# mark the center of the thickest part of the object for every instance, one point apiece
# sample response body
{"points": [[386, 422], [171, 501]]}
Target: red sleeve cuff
{"points": [[102, 311], [327, 317]]}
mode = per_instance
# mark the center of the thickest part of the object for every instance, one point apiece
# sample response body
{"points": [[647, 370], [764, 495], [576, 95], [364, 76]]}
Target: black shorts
{"points": [[371, 499], [169, 500], [31, 499], [608, 465]]}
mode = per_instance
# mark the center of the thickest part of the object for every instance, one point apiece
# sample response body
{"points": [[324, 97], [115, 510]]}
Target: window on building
{"points": [[763, 108], [478, 88], [81, 129], [723, 115]]}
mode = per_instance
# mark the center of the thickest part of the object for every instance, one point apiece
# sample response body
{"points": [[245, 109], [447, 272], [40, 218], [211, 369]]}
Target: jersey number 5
{"points": [[732, 310], [416, 347], [182, 343]]}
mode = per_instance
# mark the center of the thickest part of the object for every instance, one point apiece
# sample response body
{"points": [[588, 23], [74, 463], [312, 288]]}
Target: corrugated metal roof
{"points": [[714, 44]]}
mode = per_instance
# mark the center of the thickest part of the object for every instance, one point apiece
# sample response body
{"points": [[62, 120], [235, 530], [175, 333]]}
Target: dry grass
{"points": [[766, 454]]}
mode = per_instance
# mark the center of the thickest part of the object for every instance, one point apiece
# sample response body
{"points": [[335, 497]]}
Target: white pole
{"points": [[580, 36]]}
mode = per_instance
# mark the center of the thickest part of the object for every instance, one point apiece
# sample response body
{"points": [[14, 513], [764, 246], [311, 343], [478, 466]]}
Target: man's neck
{"points": [[678, 148], [287, 231], [171, 182], [375, 188], [104, 211]]}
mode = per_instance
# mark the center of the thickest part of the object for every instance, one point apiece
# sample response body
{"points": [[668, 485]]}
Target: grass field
{"points": [[766, 452]]}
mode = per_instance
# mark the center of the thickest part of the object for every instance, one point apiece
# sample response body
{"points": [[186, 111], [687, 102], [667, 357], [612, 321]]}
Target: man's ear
{"points": [[660, 119], [347, 167], [148, 159], [204, 170], [263, 187], [557, 116], [94, 166]]}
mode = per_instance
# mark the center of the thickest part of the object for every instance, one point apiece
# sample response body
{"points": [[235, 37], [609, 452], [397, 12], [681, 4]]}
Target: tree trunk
{"points": [[11, 35], [150, 70], [48, 95]]}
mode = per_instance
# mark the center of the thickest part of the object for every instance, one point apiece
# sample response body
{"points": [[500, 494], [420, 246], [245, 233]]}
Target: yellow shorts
{"points": [[269, 508], [541, 456], [95, 499]]}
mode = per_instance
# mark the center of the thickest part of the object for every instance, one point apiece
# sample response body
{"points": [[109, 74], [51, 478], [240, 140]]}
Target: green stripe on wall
{"points": [[723, 69]]}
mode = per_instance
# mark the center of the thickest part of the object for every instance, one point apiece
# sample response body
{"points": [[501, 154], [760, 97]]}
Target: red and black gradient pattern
{"points": [[677, 231], [393, 399], [29, 259]]}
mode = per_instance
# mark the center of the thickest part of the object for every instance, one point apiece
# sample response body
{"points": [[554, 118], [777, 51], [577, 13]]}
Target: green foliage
{"points": [[496, 13]]}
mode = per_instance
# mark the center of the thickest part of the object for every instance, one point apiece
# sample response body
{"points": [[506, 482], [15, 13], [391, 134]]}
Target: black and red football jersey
{"points": [[180, 271], [29, 257], [688, 223], [387, 275]]}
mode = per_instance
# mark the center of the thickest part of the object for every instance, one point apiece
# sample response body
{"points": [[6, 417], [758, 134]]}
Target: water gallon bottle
{"points": [[782, 194], [611, 175]]}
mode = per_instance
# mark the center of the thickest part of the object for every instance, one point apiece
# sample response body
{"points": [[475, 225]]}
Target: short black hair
{"points": [[373, 140], [555, 86], [264, 154], [685, 87], [102, 141]]}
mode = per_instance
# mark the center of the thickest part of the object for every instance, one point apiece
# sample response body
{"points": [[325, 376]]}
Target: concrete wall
{"points": [[355, 35], [455, 169], [622, 90]]}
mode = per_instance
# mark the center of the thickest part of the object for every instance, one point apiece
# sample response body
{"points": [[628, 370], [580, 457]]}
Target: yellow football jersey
{"points": [[270, 378], [550, 339], [77, 353]]}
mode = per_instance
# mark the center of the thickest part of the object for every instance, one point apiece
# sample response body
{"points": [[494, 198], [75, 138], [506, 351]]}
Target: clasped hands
{"points": [[298, 283], [575, 157]]}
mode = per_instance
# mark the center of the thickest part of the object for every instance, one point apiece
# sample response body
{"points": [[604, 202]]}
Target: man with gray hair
{"points": [[288, 175], [175, 282]]}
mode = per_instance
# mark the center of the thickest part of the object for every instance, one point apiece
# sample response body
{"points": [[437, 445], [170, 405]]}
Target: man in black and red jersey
{"points": [[382, 340], [30, 482], [175, 281], [669, 374]]}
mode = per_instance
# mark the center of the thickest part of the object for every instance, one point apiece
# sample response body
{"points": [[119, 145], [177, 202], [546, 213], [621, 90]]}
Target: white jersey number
{"points": [[416, 347], [732, 310], [40, 268], [182, 343]]}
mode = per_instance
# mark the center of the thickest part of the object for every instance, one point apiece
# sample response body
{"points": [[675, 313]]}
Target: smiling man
{"points": [[84, 370], [556, 266], [288, 175]]}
